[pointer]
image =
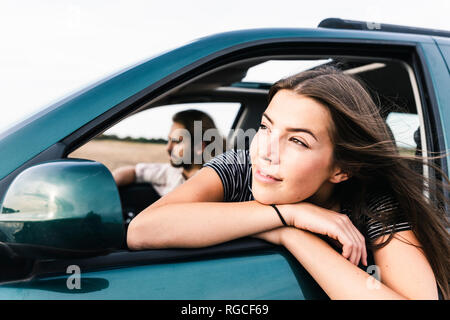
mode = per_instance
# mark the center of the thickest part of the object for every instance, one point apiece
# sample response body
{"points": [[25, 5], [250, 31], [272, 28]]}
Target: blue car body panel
{"points": [[443, 84], [249, 277], [440, 84]]}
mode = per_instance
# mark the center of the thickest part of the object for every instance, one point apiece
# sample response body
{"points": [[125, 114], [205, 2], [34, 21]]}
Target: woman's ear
{"points": [[338, 175]]}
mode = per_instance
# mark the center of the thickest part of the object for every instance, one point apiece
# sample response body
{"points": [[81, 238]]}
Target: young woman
{"points": [[321, 175]]}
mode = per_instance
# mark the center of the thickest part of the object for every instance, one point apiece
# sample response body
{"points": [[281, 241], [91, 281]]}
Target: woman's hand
{"points": [[337, 226]]}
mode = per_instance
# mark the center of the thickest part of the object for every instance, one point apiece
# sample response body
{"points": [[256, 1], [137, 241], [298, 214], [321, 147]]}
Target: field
{"points": [[114, 154]]}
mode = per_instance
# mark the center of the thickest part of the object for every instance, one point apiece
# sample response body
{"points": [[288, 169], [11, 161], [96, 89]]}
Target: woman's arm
{"points": [[404, 267], [199, 224], [404, 271], [193, 216]]}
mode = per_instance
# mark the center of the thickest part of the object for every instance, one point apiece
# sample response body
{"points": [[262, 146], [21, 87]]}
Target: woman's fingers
{"points": [[354, 249], [364, 248], [351, 250], [349, 247], [362, 245], [335, 225], [364, 259]]}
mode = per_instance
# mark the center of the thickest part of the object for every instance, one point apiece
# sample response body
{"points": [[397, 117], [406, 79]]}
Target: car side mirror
{"points": [[62, 208]]}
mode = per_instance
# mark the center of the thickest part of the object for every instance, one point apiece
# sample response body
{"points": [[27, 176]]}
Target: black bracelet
{"points": [[279, 214]]}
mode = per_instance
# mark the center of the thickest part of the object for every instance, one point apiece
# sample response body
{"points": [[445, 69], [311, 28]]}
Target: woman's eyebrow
{"points": [[293, 129]]}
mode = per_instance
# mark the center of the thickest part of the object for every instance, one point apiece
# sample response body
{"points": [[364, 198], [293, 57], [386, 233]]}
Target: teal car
{"points": [[63, 220]]}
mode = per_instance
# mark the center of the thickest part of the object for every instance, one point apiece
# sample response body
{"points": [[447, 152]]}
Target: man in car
{"points": [[186, 154]]}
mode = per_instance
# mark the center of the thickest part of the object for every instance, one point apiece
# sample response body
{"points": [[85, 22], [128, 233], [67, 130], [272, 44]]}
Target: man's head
{"points": [[186, 141]]}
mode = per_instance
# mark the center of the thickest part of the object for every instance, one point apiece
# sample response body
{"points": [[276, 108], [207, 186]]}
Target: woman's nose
{"points": [[269, 148]]}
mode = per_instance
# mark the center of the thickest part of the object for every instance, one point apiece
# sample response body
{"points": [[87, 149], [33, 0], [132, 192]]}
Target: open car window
{"points": [[142, 137]]}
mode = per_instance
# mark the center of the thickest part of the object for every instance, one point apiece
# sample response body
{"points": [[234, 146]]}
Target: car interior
{"points": [[389, 81]]}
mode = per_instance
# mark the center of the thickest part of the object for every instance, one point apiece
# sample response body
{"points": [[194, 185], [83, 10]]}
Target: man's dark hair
{"points": [[187, 118]]}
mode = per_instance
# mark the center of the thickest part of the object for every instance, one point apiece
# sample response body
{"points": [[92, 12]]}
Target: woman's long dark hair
{"points": [[363, 148]]}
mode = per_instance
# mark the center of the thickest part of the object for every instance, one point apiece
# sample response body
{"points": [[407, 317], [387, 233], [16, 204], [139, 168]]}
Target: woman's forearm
{"points": [[199, 224], [337, 276]]}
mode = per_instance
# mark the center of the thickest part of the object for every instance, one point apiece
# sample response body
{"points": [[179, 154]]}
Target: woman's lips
{"points": [[265, 178]]}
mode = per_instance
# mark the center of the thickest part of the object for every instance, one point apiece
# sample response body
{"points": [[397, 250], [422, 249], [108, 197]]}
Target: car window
{"points": [[143, 137], [273, 70], [403, 126]]}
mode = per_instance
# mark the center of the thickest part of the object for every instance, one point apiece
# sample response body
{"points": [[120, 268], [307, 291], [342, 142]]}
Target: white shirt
{"points": [[162, 176]]}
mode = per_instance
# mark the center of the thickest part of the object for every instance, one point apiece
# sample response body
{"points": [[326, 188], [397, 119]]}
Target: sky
{"points": [[51, 48]]}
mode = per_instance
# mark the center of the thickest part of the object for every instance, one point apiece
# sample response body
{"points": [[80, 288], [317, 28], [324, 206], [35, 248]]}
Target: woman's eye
{"points": [[262, 127], [296, 141]]}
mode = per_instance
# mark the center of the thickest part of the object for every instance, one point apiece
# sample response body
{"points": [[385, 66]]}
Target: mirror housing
{"points": [[63, 207]]}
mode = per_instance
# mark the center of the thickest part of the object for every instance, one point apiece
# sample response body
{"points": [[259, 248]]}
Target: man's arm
{"points": [[124, 175]]}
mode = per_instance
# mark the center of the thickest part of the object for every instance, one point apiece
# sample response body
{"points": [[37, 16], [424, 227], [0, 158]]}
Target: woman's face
{"points": [[292, 152]]}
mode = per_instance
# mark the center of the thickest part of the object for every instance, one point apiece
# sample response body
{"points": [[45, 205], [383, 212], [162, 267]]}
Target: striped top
{"points": [[235, 171]]}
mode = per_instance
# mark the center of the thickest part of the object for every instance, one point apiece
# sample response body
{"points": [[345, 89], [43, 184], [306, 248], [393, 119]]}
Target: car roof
{"points": [[336, 23]]}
